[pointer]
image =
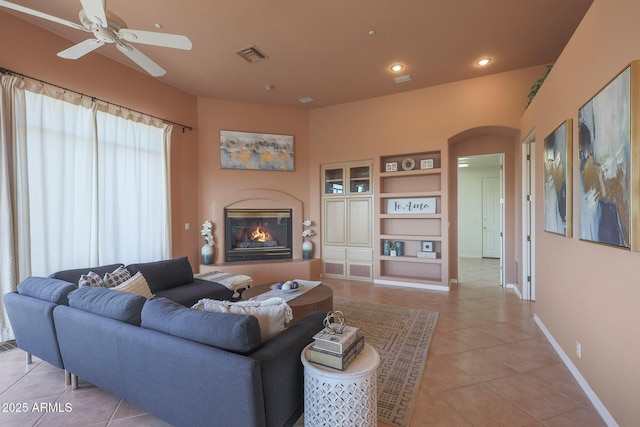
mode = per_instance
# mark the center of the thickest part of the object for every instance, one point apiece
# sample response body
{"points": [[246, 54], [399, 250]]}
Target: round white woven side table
{"points": [[341, 398]]}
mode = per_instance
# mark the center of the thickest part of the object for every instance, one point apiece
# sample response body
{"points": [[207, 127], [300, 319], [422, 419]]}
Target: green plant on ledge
{"points": [[536, 86]]}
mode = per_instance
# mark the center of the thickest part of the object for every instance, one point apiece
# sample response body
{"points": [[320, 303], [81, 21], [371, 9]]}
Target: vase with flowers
{"points": [[307, 245], [207, 249]]}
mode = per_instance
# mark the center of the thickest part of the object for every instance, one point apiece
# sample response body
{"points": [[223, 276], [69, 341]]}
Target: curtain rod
{"points": [[13, 73]]}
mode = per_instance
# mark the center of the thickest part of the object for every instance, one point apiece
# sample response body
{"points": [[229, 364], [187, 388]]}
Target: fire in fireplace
{"points": [[257, 234]]}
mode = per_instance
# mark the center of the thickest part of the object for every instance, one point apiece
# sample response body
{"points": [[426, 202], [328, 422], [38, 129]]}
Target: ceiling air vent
{"points": [[251, 54]]}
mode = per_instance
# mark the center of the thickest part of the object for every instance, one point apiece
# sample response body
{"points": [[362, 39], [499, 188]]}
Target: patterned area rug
{"points": [[402, 337]]}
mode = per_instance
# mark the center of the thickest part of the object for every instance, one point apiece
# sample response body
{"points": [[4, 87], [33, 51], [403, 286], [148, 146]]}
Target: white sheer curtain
{"points": [[133, 180], [80, 185], [62, 153]]}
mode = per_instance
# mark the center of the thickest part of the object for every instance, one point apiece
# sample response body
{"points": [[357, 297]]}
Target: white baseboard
{"points": [[582, 382], [428, 286], [515, 288]]}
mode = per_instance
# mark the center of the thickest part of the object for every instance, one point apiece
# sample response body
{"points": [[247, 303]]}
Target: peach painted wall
{"points": [[216, 184], [27, 49], [587, 292], [423, 120]]}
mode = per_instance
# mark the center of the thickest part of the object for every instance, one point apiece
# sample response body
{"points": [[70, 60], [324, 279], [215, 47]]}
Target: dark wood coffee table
{"points": [[320, 298]]}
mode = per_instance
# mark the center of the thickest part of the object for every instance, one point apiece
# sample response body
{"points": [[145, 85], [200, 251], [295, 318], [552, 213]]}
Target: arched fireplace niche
{"points": [[245, 207]]}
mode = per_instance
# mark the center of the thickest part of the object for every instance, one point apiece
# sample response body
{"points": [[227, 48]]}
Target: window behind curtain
{"points": [[97, 187]]}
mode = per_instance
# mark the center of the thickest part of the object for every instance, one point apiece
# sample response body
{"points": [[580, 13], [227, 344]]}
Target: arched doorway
{"points": [[481, 141]]}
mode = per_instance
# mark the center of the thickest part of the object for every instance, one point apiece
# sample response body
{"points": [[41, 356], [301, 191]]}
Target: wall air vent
{"points": [[252, 54]]}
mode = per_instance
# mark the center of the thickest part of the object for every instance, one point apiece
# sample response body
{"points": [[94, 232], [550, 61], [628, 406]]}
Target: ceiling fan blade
{"points": [[175, 41], [81, 49], [94, 9], [141, 59], [42, 15]]}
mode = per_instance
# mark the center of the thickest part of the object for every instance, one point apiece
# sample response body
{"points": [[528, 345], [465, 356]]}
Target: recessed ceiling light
{"points": [[396, 68], [306, 100], [158, 26], [482, 62], [372, 32]]}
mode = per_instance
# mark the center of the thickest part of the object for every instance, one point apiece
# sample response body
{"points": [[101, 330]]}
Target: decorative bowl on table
{"points": [[286, 286]]}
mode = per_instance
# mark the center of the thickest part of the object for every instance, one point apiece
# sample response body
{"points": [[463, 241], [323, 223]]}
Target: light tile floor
{"points": [[488, 365]]}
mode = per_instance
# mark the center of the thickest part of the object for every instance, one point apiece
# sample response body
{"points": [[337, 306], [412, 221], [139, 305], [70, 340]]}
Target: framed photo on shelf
{"points": [[427, 246], [426, 164], [391, 167]]}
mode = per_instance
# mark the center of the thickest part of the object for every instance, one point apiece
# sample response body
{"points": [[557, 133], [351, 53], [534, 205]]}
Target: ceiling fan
{"points": [[109, 28]]}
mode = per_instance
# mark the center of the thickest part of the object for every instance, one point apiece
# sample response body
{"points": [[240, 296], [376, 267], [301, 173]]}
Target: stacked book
{"points": [[427, 255], [336, 350]]}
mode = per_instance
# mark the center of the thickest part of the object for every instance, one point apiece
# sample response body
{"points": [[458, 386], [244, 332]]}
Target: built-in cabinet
{"points": [[347, 220], [411, 213]]}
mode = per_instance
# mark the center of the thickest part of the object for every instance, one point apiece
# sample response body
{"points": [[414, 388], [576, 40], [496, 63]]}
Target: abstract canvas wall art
{"points": [[261, 151], [604, 137], [557, 180]]}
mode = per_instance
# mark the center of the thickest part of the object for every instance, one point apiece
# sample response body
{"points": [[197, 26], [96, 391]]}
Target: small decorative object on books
{"points": [[334, 323], [338, 344], [427, 246]]}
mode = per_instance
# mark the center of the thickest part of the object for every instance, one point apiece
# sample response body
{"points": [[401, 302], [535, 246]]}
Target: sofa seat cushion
{"points": [[73, 276], [192, 292], [46, 289], [166, 274], [122, 306], [236, 333], [272, 313]]}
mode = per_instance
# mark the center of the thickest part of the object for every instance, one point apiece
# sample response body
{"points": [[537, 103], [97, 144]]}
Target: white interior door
{"points": [[491, 218]]}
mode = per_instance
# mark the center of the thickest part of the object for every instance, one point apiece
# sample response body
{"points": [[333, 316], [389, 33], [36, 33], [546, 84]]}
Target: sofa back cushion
{"points": [[237, 333], [73, 276], [166, 274], [121, 306], [46, 289]]}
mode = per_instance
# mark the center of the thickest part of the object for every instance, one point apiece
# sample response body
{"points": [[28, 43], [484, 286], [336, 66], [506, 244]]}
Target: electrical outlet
{"points": [[578, 349]]}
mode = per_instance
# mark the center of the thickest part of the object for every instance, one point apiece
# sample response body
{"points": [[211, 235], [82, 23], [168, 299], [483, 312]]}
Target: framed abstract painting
{"points": [[609, 158], [557, 180], [260, 151]]}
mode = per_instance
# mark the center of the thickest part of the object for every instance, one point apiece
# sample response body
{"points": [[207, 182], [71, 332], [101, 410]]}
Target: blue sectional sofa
{"points": [[185, 366]]}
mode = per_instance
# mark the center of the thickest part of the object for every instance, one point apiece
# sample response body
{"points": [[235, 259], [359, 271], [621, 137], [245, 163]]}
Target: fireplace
{"points": [[257, 234]]}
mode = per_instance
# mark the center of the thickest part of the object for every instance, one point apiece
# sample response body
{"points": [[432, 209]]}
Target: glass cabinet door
{"points": [[360, 179], [334, 181]]}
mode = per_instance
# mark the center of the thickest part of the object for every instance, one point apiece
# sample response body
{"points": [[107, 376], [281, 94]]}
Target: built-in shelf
{"points": [[413, 176]]}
